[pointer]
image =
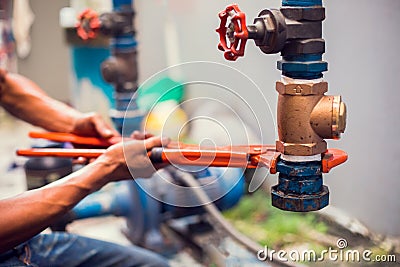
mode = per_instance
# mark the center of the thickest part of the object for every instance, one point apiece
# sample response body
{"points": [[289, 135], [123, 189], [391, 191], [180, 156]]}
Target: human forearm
{"points": [[25, 100], [29, 213]]}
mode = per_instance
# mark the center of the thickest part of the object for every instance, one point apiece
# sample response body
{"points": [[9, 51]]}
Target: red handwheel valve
{"points": [[235, 31], [88, 25]]}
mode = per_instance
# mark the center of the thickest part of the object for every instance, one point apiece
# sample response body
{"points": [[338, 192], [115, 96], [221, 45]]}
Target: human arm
{"points": [[24, 99], [27, 214]]}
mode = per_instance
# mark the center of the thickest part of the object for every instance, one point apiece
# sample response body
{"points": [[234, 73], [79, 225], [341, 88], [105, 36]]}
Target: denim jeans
{"points": [[68, 250]]}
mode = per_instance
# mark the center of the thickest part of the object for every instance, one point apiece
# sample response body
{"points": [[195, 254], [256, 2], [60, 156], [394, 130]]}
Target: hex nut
{"points": [[301, 149], [301, 89], [300, 170], [307, 46], [298, 13], [315, 66], [289, 186]]}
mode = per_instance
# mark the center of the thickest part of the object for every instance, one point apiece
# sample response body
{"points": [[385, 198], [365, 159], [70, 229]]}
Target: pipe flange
{"points": [[300, 203]]}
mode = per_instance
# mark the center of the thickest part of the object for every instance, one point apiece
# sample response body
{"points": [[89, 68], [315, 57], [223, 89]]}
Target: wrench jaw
{"points": [[268, 160]]}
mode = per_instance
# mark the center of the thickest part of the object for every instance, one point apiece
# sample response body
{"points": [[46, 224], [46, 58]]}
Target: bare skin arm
{"points": [[31, 212], [25, 100], [27, 214]]}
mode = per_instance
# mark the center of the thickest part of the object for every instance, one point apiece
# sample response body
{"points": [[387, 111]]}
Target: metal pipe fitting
{"points": [[300, 187], [117, 23], [306, 117], [121, 71]]}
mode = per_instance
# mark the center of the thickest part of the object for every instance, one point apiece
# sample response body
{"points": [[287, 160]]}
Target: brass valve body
{"points": [[306, 117]]}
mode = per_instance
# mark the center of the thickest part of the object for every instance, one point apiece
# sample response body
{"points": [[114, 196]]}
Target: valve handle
{"points": [[88, 25], [236, 32]]}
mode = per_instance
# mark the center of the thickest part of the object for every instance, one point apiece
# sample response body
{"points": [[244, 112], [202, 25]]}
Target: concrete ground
{"points": [[14, 135]]}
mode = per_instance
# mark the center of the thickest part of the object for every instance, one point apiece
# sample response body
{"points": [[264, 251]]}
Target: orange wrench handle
{"points": [[60, 152], [76, 139], [180, 154]]}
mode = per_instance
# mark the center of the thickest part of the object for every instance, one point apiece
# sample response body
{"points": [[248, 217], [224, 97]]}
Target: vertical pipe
{"points": [[124, 48], [300, 186], [302, 66], [144, 218]]}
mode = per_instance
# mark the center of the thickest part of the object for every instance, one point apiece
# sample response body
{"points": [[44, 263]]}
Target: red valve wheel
{"points": [[88, 25], [236, 32]]}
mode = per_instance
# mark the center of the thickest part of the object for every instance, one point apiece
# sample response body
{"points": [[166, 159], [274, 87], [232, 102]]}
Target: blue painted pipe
{"points": [[125, 101], [300, 3], [114, 201], [306, 66], [123, 42], [118, 5]]}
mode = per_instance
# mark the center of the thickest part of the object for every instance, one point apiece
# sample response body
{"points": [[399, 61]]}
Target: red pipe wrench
{"points": [[242, 156]]}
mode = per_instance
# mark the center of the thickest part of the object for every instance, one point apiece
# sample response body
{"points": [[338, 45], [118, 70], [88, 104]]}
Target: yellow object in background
{"points": [[167, 119]]}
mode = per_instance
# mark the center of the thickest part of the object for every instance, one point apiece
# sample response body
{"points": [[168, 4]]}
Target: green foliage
{"points": [[255, 217]]}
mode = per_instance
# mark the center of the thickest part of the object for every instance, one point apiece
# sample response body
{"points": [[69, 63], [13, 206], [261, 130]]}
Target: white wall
{"points": [[364, 64], [362, 51], [48, 64]]}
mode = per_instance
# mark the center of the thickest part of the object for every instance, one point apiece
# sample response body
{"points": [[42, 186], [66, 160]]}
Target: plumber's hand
{"points": [[129, 159], [91, 124]]}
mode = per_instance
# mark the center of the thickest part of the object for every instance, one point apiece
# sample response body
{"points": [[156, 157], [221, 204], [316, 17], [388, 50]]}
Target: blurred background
{"points": [[362, 51]]}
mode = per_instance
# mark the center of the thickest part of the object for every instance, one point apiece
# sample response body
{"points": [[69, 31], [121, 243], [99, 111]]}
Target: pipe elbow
{"points": [[328, 118]]}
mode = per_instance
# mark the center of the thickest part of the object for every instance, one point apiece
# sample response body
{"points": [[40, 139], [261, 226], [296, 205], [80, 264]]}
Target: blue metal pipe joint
{"points": [[300, 187]]}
